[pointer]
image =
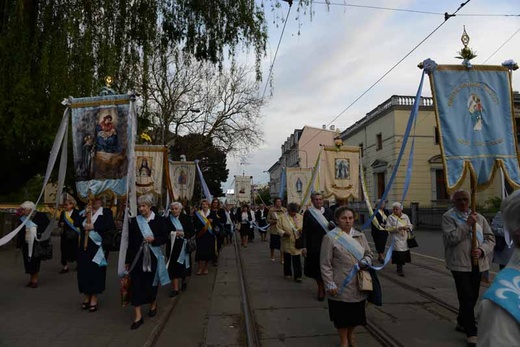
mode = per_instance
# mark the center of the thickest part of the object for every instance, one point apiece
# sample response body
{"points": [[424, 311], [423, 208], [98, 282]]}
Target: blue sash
{"points": [[183, 257], [204, 221], [68, 220], [320, 218], [99, 257], [29, 223], [462, 219], [348, 242], [161, 275], [505, 292]]}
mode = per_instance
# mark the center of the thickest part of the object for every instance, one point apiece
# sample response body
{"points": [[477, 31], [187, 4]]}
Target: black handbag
{"points": [[42, 250], [111, 240], [411, 241], [191, 246], [376, 295], [298, 243]]}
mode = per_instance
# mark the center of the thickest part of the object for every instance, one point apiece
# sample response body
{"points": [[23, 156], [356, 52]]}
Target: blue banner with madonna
{"points": [[101, 136], [474, 109]]}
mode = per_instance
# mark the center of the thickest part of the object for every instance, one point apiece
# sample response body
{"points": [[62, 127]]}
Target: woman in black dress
{"points": [[92, 264], [70, 224], [245, 218], [147, 232], [26, 240], [217, 215], [379, 233], [206, 241], [181, 229]]}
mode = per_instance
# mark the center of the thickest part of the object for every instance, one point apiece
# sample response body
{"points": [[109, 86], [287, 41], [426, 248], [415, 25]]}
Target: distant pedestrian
{"points": [[229, 225], [92, 264], [379, 233], [499, 316], [341, 250], [180, 228], [317, 221], [245, 219], [275, 213], [70, 224], [399, 225], [261, 221], [290, 229], [206, 240], [28, 237], [146, 233], [457, 225], [217, 215]]}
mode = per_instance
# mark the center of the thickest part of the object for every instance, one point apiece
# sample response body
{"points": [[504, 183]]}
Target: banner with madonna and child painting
{"points": [[341, 172], [102, 140], [474, 110]]}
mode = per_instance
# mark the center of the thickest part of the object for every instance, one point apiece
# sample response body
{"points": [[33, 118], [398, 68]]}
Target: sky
{"points": [[326, 62]]}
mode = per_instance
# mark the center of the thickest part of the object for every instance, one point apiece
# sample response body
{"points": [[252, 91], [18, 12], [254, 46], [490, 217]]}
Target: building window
{"points": [[361, 149], [380, 179], [379, 142], [440, 185], [436, 135]]}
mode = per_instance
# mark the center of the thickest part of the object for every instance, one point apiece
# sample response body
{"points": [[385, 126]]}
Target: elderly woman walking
{"points": [[206, 240], [179, 264], [499, 316], [34, 228], [290, 229], [70, 224], [147, 232], [399, 224], [341, 250]]}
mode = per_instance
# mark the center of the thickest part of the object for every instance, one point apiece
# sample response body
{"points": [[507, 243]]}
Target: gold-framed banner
{"points": [[149, 168], [182, 178], [341, 172], [297, 181]]}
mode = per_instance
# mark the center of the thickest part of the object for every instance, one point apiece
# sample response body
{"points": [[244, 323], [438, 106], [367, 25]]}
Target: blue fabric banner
{"points": [[101, 134], [474, 112]]}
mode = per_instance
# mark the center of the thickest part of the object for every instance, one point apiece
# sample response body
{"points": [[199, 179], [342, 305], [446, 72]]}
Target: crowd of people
{"points": [[332, 248]]}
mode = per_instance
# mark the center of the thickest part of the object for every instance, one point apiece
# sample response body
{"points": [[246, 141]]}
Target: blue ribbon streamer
{"points": [[99, 258], [205, 188], [411, 120], [282, 184]]}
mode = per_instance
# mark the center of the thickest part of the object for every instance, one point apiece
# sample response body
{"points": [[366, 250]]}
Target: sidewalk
{"points": [[50, 315]]}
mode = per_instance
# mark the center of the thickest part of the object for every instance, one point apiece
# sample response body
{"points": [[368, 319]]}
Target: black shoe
{"points": [[460, 328], [184, 286], [381, 261], [153, 313], [321, 298], [92, 308], [137, 324], [85, 305], [63, 271], [400, 273], [174, 293]]}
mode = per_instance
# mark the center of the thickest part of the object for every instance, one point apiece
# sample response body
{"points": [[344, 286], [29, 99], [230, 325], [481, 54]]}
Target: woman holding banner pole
{"points": [[341, 250], [144, 258]]}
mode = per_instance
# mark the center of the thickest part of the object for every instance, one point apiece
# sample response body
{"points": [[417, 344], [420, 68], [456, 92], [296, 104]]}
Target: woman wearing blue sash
{"points": [[26, 240], [92, 264], [180, 230], [206, 241], [70, 224], [146, 233], [499, 316], [341, 250]]}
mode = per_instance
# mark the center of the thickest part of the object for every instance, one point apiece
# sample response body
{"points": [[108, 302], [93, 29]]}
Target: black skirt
{"points": [[274, 241], [401, 257], [176, 270], [312, 266], [31, 266], [206, 245], [347, 314]]}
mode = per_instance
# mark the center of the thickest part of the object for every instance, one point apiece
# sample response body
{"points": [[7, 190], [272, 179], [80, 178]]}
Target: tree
{"points": [[263, 195], [186, 96], [212, 161]]}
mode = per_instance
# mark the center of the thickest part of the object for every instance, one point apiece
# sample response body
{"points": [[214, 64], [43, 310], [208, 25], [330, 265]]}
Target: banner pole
{"points": [[473, 209]]}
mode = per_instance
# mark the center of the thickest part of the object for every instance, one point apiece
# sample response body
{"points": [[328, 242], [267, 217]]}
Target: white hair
{"points": [[176, 203], [145, 199], [458, 192], [28, 205], [398, 205], [510, 216]]}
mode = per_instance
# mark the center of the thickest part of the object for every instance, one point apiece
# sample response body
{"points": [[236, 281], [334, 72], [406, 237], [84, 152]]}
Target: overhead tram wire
{"points": [[501, 46], [446, 17], [408, 10], [277, 48]]}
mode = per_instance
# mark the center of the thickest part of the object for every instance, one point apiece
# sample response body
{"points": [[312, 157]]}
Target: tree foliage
{"points": [[51, 49], [212, 161]]}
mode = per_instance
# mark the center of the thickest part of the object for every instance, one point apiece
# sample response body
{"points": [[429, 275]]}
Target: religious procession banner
{"points": [[297, 181], [149, 161], [474, 111], [102, 138], [341, 172], [182, 176], [243, 189]]}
